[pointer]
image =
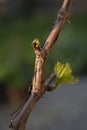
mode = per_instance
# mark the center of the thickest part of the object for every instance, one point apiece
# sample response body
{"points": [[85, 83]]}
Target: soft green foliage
{"points": [[64, 74]]}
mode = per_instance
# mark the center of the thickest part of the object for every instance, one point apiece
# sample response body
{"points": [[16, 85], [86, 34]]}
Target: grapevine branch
{"points": [[39, 87]]}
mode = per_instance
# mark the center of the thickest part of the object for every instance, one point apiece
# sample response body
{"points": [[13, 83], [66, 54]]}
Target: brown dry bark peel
{"points": [[39, 87]]}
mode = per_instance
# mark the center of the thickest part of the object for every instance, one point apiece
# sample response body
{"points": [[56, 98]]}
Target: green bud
{"points": [[36, 41]]}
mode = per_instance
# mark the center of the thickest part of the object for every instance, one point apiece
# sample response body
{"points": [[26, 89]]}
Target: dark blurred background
{"points": [[21, 21]]}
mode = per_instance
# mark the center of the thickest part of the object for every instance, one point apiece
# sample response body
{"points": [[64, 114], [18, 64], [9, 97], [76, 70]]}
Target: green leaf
{"points": [[64, 73]]}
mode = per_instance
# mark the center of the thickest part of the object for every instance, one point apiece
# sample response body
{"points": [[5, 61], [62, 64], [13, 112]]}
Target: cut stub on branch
{"points": [[41, 56]]}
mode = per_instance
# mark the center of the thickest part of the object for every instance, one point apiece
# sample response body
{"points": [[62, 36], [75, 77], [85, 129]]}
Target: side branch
{"points": [[50, 79], [61, 19]]}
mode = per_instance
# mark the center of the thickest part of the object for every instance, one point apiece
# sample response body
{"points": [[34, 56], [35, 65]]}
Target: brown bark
{"points": [[38, 85]]}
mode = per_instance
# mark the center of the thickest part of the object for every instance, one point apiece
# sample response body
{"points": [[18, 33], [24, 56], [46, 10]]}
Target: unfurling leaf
{"points": [[64, 75]]}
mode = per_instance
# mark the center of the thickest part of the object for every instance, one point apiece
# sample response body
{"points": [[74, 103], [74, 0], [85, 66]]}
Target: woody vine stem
{"points": [[39, 87]]}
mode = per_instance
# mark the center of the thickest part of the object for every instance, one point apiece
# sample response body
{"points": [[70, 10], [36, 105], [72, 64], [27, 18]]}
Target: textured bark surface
{"points": [[39, 87]]}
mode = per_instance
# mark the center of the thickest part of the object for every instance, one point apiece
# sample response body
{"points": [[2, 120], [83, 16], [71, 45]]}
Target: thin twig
{"points": [[38, 85], [61, 19], [50, 79]]}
